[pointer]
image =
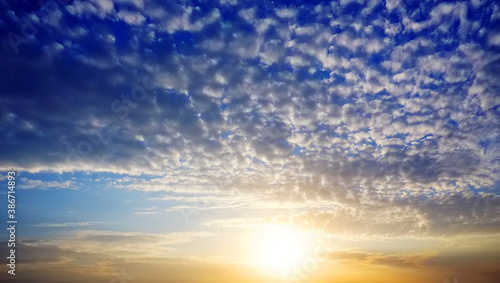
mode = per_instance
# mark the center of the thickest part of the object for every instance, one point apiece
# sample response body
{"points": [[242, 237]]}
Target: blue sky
{"points": [[192, 126]]}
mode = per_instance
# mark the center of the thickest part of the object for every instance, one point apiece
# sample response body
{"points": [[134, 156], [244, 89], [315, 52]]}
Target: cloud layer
{"points": [[389, 110]]}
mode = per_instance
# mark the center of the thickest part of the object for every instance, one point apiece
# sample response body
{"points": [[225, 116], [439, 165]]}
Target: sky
{"points": [[251, 141]]}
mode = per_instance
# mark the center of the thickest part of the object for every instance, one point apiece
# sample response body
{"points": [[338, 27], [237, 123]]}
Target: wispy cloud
{"points": [[64, 224], [25, 183], [126, 244], [147, 211]]}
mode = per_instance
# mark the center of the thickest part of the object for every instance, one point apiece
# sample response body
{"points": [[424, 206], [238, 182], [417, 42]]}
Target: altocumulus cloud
{"points": [[380, 107]]}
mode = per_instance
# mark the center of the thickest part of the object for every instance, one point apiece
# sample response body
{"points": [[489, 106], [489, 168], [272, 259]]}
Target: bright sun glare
{"points": [[278, 248]]}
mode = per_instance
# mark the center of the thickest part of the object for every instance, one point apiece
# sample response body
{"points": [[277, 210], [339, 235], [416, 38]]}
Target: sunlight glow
{"points": [[278, 248]]}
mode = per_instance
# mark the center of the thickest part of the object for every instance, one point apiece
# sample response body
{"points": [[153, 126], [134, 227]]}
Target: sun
{"points": [[278, 249]]}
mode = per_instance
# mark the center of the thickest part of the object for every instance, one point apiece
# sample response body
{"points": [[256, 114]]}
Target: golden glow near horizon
{"points": [[278, 248]]}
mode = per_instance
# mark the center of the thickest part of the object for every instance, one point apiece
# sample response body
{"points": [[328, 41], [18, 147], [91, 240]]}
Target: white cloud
{"points": [[131, 18], [237, 110], [391, 4], [286, 13], [43, 185], [494, 39]]}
